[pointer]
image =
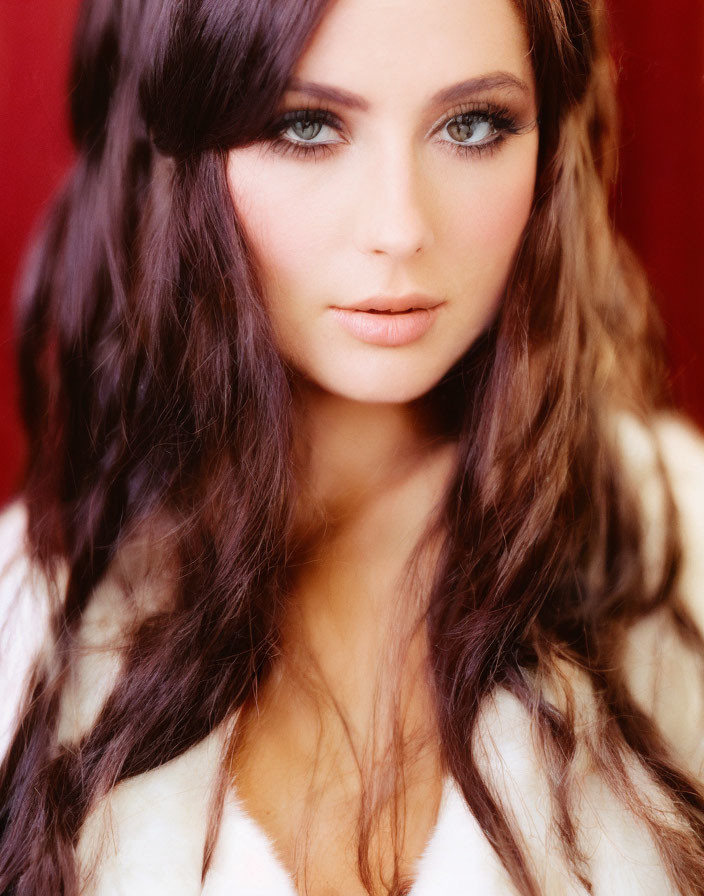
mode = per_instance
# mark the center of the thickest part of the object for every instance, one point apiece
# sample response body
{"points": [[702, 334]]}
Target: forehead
{"points": [[408, 49]]}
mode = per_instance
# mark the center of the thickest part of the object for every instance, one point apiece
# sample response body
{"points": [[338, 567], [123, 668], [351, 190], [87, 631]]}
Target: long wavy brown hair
{"points": [[155, 402]]}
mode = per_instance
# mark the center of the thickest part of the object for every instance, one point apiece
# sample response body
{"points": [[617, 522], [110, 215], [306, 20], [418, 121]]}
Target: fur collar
{"points": [[147, 837]]}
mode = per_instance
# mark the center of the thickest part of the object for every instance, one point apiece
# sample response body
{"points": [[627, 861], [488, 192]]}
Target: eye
{"points": [[478, 129], [305, 132], [471, 128], [316, 133], [306, 128]]}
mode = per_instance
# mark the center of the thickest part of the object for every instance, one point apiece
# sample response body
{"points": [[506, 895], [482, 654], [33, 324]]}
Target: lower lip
{"points": [[389, 330]]}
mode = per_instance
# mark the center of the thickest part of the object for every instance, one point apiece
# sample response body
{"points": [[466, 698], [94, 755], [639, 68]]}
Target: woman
{"points": [[348, 556]]}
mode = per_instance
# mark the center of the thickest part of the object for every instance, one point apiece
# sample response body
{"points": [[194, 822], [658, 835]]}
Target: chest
{"points": [[455, 860], [150, 837], [334, 812]]}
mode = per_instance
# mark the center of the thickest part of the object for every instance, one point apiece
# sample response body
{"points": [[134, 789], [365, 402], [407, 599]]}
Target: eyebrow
{"points": [[446, 96]]}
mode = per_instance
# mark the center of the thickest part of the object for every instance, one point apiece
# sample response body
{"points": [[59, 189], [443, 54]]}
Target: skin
{"points": [[392, 208]]}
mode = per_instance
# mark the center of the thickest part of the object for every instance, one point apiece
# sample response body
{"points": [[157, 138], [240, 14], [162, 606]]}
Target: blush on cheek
{"points": [[505, 213], [283, 231], [487, 230]]}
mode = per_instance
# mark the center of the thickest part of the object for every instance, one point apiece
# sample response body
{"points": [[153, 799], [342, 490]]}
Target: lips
{"points": [[389, 329], [395, 304], [386, 310]]}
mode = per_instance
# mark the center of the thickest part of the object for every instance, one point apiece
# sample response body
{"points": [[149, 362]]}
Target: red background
{"points": [[660, 198]]}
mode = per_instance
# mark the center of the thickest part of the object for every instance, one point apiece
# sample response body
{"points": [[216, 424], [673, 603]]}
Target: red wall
{"points": [[660, 47], [34, 153], [660, 201]]}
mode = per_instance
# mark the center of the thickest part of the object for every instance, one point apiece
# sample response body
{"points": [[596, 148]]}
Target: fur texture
{"points": [[147, 837]]}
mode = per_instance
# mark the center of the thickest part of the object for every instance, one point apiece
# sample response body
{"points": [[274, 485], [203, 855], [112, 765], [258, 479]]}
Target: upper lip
{"points": [[394, 303]]}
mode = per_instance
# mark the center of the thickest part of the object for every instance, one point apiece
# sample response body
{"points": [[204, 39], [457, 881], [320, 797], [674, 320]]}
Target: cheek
{"points": [[284, 224], [490, 214]]}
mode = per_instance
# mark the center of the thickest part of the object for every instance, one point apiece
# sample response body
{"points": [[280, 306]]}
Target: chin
{"points": [[379, 389]]}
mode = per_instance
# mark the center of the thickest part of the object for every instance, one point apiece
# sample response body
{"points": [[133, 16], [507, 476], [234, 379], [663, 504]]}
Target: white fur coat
{"points": [[147, 837]]}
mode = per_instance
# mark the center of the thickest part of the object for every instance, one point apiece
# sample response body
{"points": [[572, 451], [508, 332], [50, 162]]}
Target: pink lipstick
{"points": [[389, 322]]}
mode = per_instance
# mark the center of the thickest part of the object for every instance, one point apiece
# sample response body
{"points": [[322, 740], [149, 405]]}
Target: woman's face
{"points": [[402, 177]]}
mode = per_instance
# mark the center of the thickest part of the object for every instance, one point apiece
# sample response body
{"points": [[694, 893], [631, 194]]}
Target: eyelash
{"points": [[502, 121]]}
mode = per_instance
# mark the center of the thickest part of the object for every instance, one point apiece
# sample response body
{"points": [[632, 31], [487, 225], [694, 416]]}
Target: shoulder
{"points": [[664, 666], [682, 447], [24, 615], [661, 459], [31, 598], [525, 774], [667, 679], [148, 835], [670, 449]]}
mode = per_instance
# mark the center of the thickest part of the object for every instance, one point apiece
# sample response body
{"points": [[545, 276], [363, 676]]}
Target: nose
{"points": [[393, 206]]}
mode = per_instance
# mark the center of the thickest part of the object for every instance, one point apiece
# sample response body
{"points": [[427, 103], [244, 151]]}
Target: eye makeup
{"points": [[478, 128], [471, 129]]}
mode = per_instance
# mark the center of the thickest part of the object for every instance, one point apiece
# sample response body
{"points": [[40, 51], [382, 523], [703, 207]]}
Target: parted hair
{"points": [[151, 390]]}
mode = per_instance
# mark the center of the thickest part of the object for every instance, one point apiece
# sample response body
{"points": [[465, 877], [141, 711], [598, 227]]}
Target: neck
{"points": [[350, 453], [351, 646], [371, 476]]}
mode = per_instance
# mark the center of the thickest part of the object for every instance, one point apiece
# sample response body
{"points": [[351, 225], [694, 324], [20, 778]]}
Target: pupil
{"points": [[464, 129], [308, 129]]}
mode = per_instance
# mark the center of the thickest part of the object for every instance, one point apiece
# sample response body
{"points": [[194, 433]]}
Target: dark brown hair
{"points": [[155, 402]]}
